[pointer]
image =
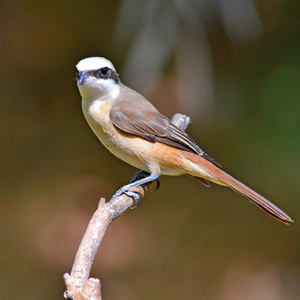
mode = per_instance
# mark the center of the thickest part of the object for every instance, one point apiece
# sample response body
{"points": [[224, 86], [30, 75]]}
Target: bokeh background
{"points": [[233, 66]]}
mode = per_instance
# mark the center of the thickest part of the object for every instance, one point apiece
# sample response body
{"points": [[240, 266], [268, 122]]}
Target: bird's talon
{"points": [[118, 193], [157, 185], [134, 195], [136, 198]]}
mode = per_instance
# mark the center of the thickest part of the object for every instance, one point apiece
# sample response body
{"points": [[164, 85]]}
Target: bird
{"points": [[132, 129]]}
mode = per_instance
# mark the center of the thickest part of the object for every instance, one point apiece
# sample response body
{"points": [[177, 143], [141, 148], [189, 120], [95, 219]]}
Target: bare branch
{"points": [[79, 286], [181, 121]]}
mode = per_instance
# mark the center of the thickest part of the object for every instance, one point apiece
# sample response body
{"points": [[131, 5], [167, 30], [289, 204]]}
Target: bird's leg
{"points": [[142, 174], [139, 175], [136, 181]]}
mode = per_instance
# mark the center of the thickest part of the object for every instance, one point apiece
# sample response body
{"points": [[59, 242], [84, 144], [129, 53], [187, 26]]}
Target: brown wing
{"points": [[137, 116], [139, 121]]}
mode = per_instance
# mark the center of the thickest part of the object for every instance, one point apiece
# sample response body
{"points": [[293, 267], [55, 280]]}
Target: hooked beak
{"points": [[82, 78]]}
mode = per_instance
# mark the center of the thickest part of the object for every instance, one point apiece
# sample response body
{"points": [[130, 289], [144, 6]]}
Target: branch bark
{"points": [[79, 285]]}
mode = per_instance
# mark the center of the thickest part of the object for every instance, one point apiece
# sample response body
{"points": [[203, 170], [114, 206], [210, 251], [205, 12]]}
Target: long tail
{"points": [[225, 179]]}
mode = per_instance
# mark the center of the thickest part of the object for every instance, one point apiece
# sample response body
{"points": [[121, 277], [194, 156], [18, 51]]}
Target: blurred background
{"points": [[233, 66]]}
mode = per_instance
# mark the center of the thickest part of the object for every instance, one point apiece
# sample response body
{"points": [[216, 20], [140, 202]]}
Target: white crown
{"points": [[94, 63]]}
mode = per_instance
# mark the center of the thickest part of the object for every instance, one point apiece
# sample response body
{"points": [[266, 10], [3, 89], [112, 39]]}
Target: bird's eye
{"points": [[104, 71]]}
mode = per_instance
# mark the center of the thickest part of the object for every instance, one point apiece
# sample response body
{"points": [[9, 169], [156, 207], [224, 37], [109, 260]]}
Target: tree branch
{"points": [[79, 286]]}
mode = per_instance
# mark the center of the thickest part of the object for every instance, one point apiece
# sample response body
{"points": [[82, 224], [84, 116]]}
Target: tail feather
{"points": [[225, 179], [257, 199]]}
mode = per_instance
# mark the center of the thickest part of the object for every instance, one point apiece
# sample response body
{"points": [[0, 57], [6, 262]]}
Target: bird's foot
{"points": [[137, 182], [134, 195]]}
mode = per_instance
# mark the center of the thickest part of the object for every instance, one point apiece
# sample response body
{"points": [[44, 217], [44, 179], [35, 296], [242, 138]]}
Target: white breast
{"points": [[119, 143]]}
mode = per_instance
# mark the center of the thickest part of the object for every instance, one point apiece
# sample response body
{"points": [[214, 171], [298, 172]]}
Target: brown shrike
{"points": [[130, 127]]}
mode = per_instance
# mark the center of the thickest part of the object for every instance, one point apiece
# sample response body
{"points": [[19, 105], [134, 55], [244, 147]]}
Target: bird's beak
{"points": [[82, 78]]}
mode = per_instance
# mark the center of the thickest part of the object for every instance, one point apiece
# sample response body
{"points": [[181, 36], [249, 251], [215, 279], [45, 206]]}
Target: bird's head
{"points": [[97, 79]]}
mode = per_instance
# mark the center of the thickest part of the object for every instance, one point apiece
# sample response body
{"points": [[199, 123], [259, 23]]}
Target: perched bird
{"points": [[131, 128]]}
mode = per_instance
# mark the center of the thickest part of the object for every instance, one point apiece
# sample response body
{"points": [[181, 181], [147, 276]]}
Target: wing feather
{"points": [[139, 117]]}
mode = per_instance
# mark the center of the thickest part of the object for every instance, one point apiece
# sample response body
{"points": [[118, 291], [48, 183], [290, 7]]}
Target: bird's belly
{"points": [[121, 144], [153, 157], [140, 153]]}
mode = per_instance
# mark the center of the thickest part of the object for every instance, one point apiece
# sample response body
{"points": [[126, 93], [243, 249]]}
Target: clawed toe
{"points": [[157, 185], [134, 195], [137, 181]]}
